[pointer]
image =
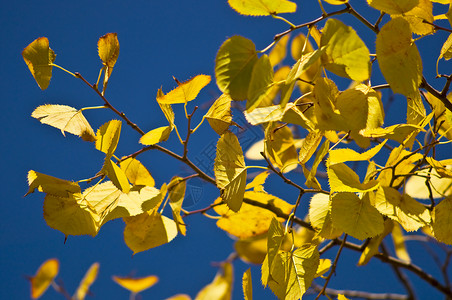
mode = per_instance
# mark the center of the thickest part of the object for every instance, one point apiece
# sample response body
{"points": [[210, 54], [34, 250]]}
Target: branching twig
{"points": [[359, 294]]}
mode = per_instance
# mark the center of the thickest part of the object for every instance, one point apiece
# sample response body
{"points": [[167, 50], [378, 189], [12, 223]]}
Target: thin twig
{"points": [[359, 294]]}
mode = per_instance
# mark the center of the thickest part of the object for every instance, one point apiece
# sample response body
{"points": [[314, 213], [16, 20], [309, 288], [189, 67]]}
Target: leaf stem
{"points": [[61, 68], [283, 19]]}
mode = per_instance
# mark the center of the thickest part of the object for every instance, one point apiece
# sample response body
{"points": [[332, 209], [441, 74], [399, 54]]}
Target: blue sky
{"points": [[159, 39]]}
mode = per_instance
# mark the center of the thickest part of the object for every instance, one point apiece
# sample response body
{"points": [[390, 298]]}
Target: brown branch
{"points": [[359, 294], [425, 85], [189, 132]]}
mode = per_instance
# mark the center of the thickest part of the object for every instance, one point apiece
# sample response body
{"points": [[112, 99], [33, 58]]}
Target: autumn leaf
{"points": [[136, 285], [221, 286], [136, 172], [39, 58], [320, 216], [185, 91], [108, 50], [247, 285], [219, 115], [441, 225], [393, 6], [107, 137], [262, 7], [177, 187], [86, 282], [44, 276], [51, 185]]}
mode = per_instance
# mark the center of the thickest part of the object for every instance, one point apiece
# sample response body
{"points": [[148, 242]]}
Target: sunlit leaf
{"points": [[186, 91], [373, 246], [148, 230], [336, 2], [279, 51], [324, 266], [446, 49], [136, 285], [346, 54], [441, 225], [396, 48], [252, 250], [258, 182], [260, 82], [230, 170], [320, 216], [116, 175], [280, 147], [416, 186], [355, 216], [419, 17], [347, 154], [262, 7], [247, 285], [108, 49], [156, 136], [234, 65], [51, 185], [179, 297], [221, 287], [304, 64], [398, 132], [343, 179], [87, 281], [44, 276], [393, 6], [399, 244], [251, 220], [404, 162], [219, 114], [65, 118], [275, 237], [136, 172], [176, 196], [39, 58], [107, 137], [311, 180]]}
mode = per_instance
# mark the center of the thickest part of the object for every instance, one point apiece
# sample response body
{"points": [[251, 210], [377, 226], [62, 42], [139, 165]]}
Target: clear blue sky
{"points": [[159, 39]]}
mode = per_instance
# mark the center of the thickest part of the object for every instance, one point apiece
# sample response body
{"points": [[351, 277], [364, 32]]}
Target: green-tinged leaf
{"points": [[292, 272], [373, 246], [219, 114], [72, 215], [262, 7], [176, 196], [234, 65], [44, 276], [398, 132], [136, 172], [311, 180], [346, 54], [51, 185], [396, 48], [355, 216], [116, 175], [107, 137], [251, 220], [306, 62], [393, 6], [247, 285], [279, 51], [328, 116], [275, 238], [280, 147], [110, 203], [260, 82], [258, 182], [399, 244], [221, 286], [39, 58], [441, 225], [411, 214], [230, 170], [136, 285], [343, 179], [156, 136], [65, 118], [346, 154], [419, 17], [148, 230], [309, 146], [320, 216], [87, 281], [186, 91]]}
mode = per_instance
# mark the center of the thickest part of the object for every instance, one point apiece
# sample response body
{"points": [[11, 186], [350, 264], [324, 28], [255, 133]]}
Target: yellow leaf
{"points": [[341, 297], [108, 48], [136, 285], [441, 225], [176, 197], [86, 282], [442, 170], [265, 114], [446, 49], [44, 276], [262, 7], [355, 216], [399, 244], [415, 109], [442, 115], [346, 154], [107, 137], [185, 91], [306, 67], [346, 54], [280, 147], [251, 220], [254, 152], [320, 216], [324, 266], [440, 187], [233, 66], [179, 297], [411, 214], [279, 51], [258, 182], [404, 162], [398, 132], [344, 179], [156, 136], [221, 286], [373, 246], [260, 82], [219, 114], [116, 175], [136, 172], [309, 146], [65, 118], [148, 230], [328, 116], [247, 285], [230, 170], [39, 59], [396, 48], [336, 2], [423, 11], [252, 250], [393, 6], [311, 180], [51, 185]]}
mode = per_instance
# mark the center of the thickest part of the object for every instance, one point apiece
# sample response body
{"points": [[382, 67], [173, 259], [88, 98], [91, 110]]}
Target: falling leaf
{"points": [[262, 7], [44, 276], [185, 91], [86, 282], [65, 118], [136, 285], [39, 59]]}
